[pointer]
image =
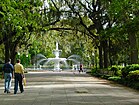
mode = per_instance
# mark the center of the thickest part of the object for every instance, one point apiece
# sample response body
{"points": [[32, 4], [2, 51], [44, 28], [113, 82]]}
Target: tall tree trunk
{"points": [[133, 47], [13, 53], [10, 51], [105, 49], [110, 57], [7, 51], [100, 56]]}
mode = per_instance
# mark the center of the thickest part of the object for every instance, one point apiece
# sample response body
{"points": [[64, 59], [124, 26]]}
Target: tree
{"points": [[18, 22], [126, 16], [95, 12]]}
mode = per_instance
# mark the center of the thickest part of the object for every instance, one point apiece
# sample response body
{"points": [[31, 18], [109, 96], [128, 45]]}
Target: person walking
{"points": [[8, 74], [81, 68], [18, 76]]}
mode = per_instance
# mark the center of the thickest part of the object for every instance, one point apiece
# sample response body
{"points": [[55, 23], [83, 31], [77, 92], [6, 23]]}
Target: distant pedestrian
{"points": [[81, 68], [18, 76], [8, 73]]}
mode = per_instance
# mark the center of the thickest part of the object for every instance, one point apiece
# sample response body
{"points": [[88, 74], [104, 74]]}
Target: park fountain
{"points": [[57, 60]]}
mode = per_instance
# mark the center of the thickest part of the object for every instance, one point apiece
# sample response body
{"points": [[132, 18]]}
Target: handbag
{"points": [[24, 81]]}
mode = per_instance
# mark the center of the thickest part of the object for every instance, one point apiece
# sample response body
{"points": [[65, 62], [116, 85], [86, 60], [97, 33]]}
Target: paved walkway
{"points": [[66, 88]]}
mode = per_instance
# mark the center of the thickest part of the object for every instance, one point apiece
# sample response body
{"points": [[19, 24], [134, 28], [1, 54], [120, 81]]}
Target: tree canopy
{"points": [[109, 27]]}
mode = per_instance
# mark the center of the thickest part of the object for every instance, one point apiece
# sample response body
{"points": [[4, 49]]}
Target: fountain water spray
{"points": [[57, 60]]}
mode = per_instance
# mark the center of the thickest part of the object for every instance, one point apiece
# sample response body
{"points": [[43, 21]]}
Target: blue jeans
{"points": [[18, 79], [7, 83]]}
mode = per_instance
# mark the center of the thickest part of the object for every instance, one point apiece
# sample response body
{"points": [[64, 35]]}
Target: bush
{"points": [[114, 78], [133, 75], [116, 70], [135, 66], [105, 76], [136, 85], [127, 69], [93, 71], [1, 65]]}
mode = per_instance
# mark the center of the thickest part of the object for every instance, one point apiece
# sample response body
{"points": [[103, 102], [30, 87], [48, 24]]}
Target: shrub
{"points": [[127, 69], [93, 70], [1, 65], [114, 78], [105, 76], [136, 85], [133, 75], [135, 66], [116, 70]]}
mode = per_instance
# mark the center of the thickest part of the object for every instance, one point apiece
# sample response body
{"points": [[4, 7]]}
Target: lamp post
{"points": [[93, 58], [35, 59], [26, 60], [96, 58]]}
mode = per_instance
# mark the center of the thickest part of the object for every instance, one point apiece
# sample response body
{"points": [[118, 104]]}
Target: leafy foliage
{"points": [[103, 24], [133, 75], [114, 78], [127, 69]]}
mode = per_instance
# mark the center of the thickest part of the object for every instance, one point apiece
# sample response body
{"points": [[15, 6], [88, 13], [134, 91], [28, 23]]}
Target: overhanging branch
{"points": [[81, 20], [73, 29]]}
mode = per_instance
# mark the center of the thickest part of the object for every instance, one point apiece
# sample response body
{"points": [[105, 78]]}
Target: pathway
{"points": [[66, 88]]}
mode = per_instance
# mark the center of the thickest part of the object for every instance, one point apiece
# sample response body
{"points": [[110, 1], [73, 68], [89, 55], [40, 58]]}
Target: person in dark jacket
{"points": [[8, 73]]}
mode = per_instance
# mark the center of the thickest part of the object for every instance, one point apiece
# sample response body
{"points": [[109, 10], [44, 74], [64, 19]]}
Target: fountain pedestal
{"points": [[57, 60]]}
